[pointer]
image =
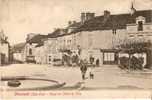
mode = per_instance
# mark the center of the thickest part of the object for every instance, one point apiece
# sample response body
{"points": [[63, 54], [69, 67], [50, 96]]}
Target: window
{"points": [[49, 58], [114, 31], [109, 56], [140, 26], [68, 41]]}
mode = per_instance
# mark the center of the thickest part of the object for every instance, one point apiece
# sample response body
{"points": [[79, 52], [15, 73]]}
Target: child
{"points": [[90, 73]]}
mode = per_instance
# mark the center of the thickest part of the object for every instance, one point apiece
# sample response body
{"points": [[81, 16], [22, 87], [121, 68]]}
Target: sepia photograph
{"points": [[75, 49]]}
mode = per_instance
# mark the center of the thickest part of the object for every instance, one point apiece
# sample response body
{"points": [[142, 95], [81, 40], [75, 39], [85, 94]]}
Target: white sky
{"points": [[20, 17]]}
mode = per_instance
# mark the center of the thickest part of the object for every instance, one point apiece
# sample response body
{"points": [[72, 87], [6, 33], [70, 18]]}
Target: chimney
{"points": [[30, 36], [83, 17], [92, 15], [89, 15], [106, 15]]}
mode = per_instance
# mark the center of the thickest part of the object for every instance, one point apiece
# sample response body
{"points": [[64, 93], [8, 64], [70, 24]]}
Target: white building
{"points": [[18, 51], [31, 52]]}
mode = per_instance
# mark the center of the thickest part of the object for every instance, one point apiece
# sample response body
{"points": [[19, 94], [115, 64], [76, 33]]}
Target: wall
{"points": [[144, 35], [65, 42], [101, 39], [27, 48], [39, 55], [4, 49], [51, 46], [18, 56], [30, 46], [91, 42], [132, 28]]}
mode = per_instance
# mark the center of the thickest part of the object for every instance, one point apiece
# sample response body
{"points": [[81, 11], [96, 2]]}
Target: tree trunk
{"points": [[130, 62]]}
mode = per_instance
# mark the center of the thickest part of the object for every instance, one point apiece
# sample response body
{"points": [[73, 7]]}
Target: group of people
{"points": [[92, 60], [84, 69], [75, 59]]}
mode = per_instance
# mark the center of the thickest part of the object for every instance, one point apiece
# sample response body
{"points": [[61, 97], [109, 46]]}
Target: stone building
{"points": [[32, 42], [18, 52], [100, 36], [95, 36], [4, 49]]}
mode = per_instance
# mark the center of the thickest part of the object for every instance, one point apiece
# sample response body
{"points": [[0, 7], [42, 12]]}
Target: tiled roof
{"points": [[57, 33], [54, 34], [114, 21], [36, 39], [18, 47], [62, 32], [118, 21], [40, 44]]}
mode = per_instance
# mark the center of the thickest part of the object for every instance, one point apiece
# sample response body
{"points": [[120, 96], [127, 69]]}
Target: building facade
{"points": [[94, 36], [4, 49], [32, 44], [100, 36], [18, 52]]}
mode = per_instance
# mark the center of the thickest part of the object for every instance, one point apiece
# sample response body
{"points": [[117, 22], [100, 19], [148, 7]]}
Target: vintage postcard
{"points": [[75, 49]]}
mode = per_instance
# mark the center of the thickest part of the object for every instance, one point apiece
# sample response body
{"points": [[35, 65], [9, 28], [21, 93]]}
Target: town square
{"points": [[110, 50]]}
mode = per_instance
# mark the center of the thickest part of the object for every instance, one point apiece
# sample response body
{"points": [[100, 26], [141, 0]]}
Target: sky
{"points": [[20, 17]]}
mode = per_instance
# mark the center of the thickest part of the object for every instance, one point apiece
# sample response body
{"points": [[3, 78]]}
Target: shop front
{"points": [[110, 56]]}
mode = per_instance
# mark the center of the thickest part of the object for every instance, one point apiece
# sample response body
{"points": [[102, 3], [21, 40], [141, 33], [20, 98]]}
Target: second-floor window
{"points": [[114, 31], [49, 58], [140, 25]]}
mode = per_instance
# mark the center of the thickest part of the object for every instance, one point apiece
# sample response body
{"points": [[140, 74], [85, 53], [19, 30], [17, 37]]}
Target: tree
{"points": [[132, 47]]}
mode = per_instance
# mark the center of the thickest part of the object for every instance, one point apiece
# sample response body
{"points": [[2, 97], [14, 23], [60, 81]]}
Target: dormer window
{"points": [[140, 21], [140, 25]]}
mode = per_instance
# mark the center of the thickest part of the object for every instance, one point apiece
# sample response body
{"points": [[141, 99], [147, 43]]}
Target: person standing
{"points": [[91, 60], [83, 69], [90, 72], [97, 63]]}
